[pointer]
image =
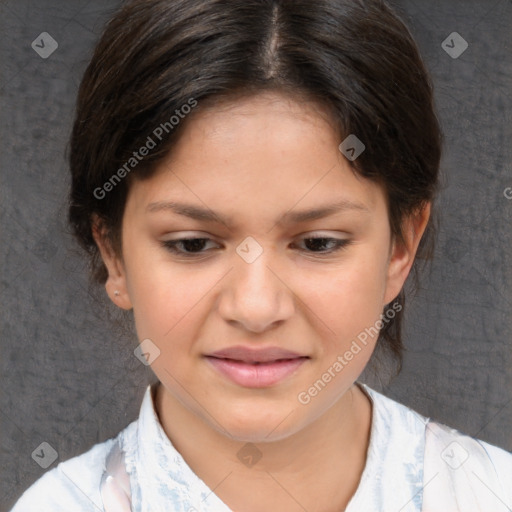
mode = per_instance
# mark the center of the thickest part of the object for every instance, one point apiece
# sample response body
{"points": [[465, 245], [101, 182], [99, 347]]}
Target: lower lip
{"points": [[256, 375]]}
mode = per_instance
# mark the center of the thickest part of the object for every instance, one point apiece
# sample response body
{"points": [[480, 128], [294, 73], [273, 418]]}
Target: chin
{"points": [[256, 428]]}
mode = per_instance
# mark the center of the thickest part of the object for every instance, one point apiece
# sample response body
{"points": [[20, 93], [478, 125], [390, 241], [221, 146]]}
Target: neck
{"points": [[319, 466]]}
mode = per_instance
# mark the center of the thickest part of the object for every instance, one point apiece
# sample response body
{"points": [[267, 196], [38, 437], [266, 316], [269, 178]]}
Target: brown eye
{"points": [[318, 244], [186, 246]]}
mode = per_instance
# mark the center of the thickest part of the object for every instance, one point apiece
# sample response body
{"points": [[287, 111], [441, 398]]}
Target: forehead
{"points": [[258, 153], [250, 132]]}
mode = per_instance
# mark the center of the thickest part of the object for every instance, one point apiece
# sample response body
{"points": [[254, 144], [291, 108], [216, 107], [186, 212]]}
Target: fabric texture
{"points": [[412, 465]]}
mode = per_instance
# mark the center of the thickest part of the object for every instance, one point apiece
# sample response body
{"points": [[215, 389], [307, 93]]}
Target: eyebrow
{"points": [[290, 217]]}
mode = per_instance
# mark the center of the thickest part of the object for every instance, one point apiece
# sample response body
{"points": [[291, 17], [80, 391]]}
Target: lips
{"points": [[255, 356], [256, 368]]}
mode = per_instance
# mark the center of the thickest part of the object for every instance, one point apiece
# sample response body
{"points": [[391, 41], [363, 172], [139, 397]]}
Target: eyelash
{"points": [[171, 245]]}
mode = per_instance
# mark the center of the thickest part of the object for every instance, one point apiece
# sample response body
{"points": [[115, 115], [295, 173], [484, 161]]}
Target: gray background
{"points": [[69, 376]]}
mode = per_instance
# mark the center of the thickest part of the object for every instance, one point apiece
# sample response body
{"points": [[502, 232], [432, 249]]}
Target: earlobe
{"points": [[403, 253], [115, 285]]}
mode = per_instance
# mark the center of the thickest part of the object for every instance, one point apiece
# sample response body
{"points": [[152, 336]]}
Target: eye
{"points": [[191, 246], [316, 244]]}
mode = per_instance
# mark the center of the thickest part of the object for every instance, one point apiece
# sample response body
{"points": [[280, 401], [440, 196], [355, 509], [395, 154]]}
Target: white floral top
{"points": [[455, 474]]}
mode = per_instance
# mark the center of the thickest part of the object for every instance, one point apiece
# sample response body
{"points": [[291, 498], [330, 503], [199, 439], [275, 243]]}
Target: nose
{"points": [[256, 296]]}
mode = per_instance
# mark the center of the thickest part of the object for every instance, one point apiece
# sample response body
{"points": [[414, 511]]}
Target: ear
{"points": [[116, 282], [402, 254]]}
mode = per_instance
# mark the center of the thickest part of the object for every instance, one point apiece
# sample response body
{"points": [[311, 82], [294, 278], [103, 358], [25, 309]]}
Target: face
{"points": [[293, 251]]}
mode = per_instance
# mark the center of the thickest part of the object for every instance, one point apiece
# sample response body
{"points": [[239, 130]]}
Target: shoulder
{"points": [[461, 447], [394, 413], [502, 463], [472, 473], [73, 485]]}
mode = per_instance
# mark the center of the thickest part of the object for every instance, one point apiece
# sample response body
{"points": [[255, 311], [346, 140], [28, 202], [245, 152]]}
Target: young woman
{"points": [[255, 180]]}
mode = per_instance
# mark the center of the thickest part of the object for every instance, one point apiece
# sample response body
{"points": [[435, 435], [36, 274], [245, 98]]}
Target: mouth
{"points": [[251, 355], [259, 363], [257, 374]]}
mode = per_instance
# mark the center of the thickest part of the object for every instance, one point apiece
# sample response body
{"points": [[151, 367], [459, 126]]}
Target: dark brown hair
{"points": [[356, 58]]}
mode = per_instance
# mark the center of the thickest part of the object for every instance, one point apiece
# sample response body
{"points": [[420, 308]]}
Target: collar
{"points": [[393, 473], [161, 480]]}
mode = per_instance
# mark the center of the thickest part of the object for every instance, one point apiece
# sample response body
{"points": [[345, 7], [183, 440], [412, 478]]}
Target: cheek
{"points": [[167, 298], [348, 298], [162, 301]]}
